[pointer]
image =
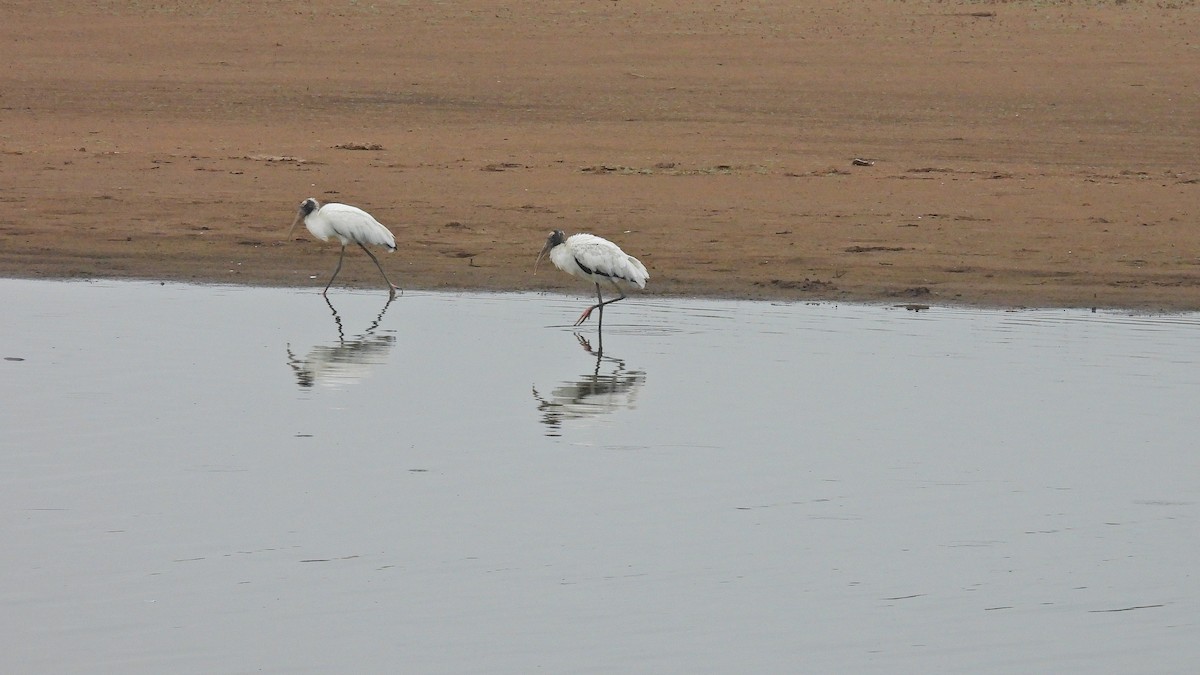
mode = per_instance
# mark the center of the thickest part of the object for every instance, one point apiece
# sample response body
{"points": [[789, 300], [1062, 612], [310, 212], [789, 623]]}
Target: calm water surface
{"points": [[199, 479]]}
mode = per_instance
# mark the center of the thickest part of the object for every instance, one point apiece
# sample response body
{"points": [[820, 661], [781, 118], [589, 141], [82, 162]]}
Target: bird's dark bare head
{"points": [[556, 237], [306, 207]]}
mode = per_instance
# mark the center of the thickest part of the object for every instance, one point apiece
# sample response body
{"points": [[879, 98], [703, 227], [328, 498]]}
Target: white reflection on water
{"points": [[730, 487], [593, 394], [346, 361]]}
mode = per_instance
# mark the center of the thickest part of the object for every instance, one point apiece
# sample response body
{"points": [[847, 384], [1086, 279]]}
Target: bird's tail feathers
{"points": [[641, 276]]}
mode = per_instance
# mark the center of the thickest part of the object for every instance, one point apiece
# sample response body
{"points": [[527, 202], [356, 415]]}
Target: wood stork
{"points": [[349, 224], [597, 260]]}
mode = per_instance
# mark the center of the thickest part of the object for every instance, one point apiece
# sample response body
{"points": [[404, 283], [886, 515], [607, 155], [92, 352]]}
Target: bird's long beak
{"points": [[539, 258], [299, 217]]}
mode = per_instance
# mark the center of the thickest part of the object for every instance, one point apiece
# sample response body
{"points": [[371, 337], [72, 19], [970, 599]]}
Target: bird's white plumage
{"points": [[350, 225], [596, 259]]}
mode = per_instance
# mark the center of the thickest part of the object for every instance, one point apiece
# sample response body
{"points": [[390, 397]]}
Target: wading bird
{"points": [[597, 260], [351, 225]]}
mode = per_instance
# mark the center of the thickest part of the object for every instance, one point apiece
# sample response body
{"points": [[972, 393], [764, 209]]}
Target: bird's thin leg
{"points": [[609, 302], [392, 288], [335, 272], [600, 321], [587, 313], [600, 305], [619, 292]]}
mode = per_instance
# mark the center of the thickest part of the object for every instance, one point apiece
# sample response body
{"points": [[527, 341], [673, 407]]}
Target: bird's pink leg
{"points": [[600, 305], [587, 313]]}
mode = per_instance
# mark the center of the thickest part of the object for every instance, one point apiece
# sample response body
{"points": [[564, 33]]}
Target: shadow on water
{"points": [[595, 393], [348, 360]]}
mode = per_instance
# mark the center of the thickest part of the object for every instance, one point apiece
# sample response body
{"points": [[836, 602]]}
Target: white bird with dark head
{"points": [[350, 225], [597, 260]]}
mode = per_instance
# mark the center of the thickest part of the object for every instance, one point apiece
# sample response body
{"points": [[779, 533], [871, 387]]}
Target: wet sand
{"points": [[1016, 154]]}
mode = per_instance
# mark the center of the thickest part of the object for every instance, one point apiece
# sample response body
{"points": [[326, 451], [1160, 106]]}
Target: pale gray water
{"points": [[202, 479]]}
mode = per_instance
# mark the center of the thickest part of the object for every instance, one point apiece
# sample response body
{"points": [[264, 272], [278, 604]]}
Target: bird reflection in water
{"points": [[594, 394], [348, 360]]}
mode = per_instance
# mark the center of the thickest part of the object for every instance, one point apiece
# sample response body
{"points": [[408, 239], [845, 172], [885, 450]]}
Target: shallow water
{"points": [[202, 479]]}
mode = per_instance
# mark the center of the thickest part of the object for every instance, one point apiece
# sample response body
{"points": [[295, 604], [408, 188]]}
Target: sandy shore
{"points": [[1016, 154]]}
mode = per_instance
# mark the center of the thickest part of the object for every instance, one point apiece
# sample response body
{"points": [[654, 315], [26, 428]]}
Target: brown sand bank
{"points": [[1021, 153]]}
